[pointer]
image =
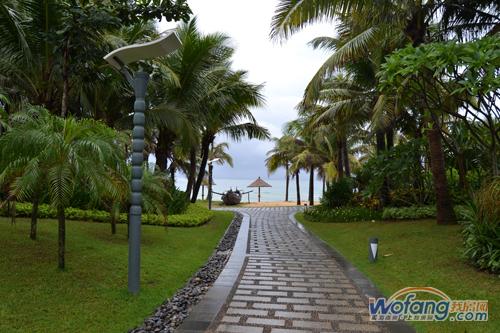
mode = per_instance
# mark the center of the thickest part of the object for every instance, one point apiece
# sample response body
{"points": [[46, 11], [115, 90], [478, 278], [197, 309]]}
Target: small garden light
{"points": [[373, 249]]}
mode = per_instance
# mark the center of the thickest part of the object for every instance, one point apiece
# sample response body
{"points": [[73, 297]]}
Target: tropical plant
{"points": [[482, 231], [42, 149]]}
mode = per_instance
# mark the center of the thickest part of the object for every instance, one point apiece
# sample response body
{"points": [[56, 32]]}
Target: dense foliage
{"points": [[65, 114], [407, 105], [482, 231]]}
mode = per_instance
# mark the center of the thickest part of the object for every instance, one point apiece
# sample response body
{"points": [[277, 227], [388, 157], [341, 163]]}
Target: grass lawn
{"points": [[422, 254], [91, 295]]}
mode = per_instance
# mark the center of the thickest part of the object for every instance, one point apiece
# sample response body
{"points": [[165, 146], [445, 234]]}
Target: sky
{"points": [[284, 68]]}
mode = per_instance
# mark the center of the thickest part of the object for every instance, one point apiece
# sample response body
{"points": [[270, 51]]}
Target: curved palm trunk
{"points": [[311, 187], [192, 173], [61, 236], [445, 213], [297, 184], [13, 212], [287, 181], [205, 148], [345, 157], [340, 163], [34, 219], [172, 170], [164, 148], [381, 147]]}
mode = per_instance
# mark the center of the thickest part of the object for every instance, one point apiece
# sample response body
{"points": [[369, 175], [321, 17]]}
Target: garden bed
{"points": [[194, 216]]}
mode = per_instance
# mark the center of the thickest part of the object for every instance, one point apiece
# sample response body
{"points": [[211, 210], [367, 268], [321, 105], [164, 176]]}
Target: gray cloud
{"points": [[285, 68]]}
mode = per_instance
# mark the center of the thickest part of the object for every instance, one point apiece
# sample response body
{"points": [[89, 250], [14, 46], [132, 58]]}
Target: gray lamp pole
{"points": [[119, 59], [134, 251], [210, 181]]}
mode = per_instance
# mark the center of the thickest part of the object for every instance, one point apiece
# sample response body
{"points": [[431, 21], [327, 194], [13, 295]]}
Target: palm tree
{"points": [[227, 108], [220, 151], [281, 156], [409, 18], [65, 153]]}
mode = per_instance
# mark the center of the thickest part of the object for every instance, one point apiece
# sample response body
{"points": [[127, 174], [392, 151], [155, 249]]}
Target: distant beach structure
{"points": [[259, 183]]}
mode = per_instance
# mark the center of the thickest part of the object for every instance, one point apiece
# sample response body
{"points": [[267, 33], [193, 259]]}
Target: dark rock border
{"points": [[173, 311]]}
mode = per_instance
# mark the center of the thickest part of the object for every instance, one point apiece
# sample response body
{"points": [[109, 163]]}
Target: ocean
{"points": [[274, 193]]}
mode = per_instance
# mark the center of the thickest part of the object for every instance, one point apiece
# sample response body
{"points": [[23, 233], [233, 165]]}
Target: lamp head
{"points": [[214, 160], [162, 46]]}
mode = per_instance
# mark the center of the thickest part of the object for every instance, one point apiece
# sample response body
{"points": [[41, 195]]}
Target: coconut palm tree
{"points": [[64, 153], [281, 156], [411, 19], [228, 112]]}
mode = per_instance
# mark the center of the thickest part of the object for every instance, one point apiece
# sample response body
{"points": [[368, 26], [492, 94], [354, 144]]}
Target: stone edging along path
{"points": [[204, 282]]}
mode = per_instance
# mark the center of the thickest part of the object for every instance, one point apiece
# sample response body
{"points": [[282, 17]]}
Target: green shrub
{"points": [[337, 194], [343, 214], [194, 215], [419, 212], [482, 231], [177, 202]]}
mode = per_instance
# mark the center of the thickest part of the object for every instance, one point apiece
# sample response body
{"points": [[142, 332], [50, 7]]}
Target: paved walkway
{"points": [[289, 283]]}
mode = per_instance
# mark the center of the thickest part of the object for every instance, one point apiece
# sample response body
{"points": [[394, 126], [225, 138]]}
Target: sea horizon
{"points": [[268, 194]]}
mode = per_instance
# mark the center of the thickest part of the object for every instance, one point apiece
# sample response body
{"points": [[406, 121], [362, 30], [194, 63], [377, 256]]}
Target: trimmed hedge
{"points": [[420, 212], [343, 214], [358, 214], [195, 215]]}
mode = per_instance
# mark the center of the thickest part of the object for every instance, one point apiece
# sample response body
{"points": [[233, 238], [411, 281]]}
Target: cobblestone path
{"points": [[290, 284]]}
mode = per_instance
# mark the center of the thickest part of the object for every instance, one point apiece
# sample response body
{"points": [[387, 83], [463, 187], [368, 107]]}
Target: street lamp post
{"points": [[210, 181], [119, 59]]}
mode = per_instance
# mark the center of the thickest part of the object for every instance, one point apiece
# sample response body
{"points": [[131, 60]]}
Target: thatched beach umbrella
{"points": [[259, 183]]}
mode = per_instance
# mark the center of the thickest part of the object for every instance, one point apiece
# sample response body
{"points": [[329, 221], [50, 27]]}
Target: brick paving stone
{"points": [[266, 321], [239, 329], [290, 284], [270, 306], [293, 314], [312, 324]]}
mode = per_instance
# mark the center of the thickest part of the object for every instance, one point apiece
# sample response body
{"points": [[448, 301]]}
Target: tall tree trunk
{"points": [[389, 135], [62, 236], [311, 187], [287, 180], [445, 213], [163, 149], [34, 218], [381, 147], [462, 171], [345, 157], [114, 212], [324, 185], [191, 173], [13, 212], [297, 184], [340, 163], [171, 170], [65, 79], [205, 149]]}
